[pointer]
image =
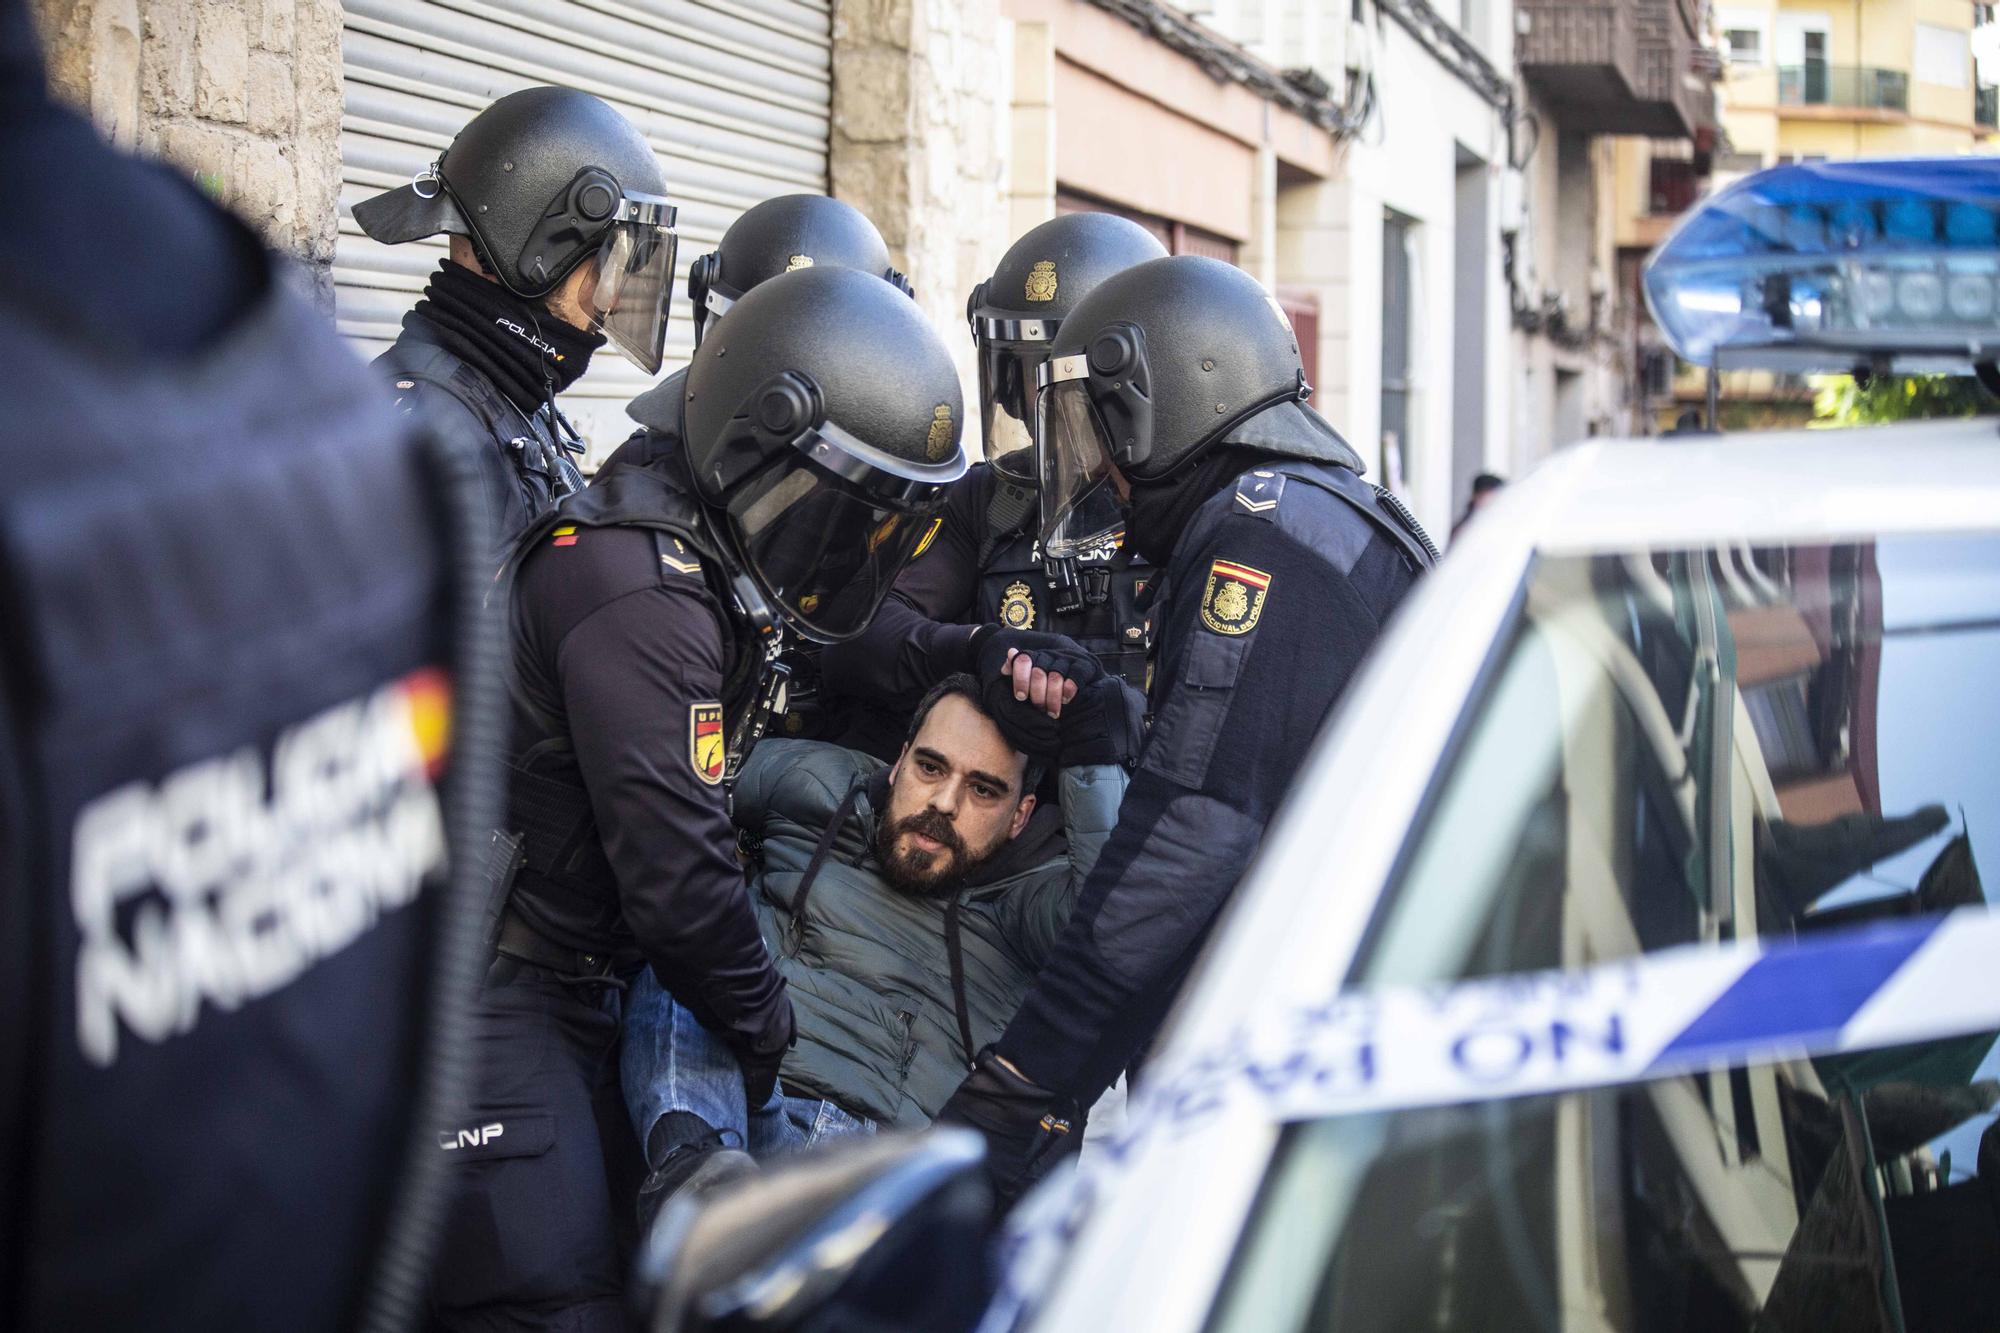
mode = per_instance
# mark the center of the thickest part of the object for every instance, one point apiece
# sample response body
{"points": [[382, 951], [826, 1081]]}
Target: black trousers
{"points": [[541, 1228]]}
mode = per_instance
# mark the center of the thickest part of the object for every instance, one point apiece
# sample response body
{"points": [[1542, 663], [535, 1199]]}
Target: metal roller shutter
{"points": [[734, 97]]}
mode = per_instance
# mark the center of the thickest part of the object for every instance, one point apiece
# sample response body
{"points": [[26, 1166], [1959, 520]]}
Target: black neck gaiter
{"points": [[528, 353], [1161, 509]]}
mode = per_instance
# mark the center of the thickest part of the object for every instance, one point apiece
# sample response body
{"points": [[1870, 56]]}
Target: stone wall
{"points": [[920, 106], [243, 95]]}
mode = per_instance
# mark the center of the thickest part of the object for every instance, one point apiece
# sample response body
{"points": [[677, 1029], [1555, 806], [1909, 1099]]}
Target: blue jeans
{"points": [[670, 1062]]}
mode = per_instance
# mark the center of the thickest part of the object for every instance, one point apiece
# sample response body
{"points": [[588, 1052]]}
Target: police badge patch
{"points": [[706, 750], [1017, 606], [1234, 597], [1041, 284]]}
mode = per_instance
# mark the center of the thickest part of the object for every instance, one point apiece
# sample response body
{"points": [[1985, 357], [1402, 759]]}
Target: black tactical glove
{"points": [[759, 1060], [1027, 1128], [1051, 652], [1103, 724]]}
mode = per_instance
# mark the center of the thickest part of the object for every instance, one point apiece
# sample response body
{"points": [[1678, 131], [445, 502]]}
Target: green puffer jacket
{"points": [[868, 967]]}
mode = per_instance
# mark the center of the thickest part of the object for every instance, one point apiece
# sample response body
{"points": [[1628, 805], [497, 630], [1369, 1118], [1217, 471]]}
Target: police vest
{"points": [[1015, 591], [531, 443], [239, 649], [547, 805]]}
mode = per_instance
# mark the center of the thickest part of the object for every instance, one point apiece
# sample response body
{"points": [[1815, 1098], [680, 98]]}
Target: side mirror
{"points": [[885, 1233]]}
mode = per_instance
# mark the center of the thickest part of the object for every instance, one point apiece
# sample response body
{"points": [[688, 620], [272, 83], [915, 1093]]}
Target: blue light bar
{"points": [[1833, 265]]}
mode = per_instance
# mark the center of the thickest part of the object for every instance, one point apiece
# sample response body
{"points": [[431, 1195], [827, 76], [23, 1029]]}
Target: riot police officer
{"points": [[241, 607], [983, 565], [561, 238], [781, 235], [1179, 383], [645, 612]]}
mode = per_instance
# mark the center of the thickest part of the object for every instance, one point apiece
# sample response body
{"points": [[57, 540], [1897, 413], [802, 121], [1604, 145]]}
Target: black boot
{"points": [[687, 1156]]}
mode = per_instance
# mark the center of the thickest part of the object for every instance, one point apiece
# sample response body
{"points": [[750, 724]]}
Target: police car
{"points": [[1622, 960]]}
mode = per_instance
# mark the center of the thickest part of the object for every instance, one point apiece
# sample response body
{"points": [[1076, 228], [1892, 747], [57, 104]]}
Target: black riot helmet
{"points": [[792, 231], [1015, 313], [1152, 370], [540, 181], [823, 454]]}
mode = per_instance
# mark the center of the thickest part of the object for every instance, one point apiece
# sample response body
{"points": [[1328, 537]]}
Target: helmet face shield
{"points": [[1011, 353], [635, 279], [825, 522], [826, 535], [1006, 375], [1081, 513]]}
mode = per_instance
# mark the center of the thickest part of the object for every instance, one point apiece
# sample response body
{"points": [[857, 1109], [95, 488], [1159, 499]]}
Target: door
{"points": [[1801, 48], [1815, 68]]}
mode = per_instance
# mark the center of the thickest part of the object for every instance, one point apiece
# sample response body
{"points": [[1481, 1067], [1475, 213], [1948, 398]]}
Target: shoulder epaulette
{"points": [[1258, 492]]}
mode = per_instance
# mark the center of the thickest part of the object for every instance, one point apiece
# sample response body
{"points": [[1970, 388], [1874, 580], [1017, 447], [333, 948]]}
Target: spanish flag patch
{"points": [[566, 535], [1234, 597]]}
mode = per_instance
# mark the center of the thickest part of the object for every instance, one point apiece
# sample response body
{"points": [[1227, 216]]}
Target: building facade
{"points": [[1873, 78], [1622, 94], [1433, 192], [954, 125], [1400, 249], [1469, 254]]}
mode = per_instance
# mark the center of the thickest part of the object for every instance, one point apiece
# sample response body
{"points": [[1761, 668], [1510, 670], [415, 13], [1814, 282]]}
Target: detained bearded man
{"points": [[907, 907]]}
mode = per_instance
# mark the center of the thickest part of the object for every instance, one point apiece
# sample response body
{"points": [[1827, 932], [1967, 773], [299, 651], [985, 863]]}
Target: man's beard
{"points": [[922, 873]]}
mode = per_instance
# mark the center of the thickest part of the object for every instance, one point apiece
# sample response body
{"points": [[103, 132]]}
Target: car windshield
{"points": [[1675, 747]]}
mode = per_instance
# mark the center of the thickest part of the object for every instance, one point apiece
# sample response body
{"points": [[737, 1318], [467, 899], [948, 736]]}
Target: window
{"points": [[1944, 56], [1609, 798], [1748, 32], [1739, 164], [1674, 186], [1635, 1208]]}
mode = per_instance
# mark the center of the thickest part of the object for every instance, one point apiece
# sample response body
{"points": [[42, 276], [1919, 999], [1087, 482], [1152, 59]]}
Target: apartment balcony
{"points": [[1619, 66], [1848, 87]]}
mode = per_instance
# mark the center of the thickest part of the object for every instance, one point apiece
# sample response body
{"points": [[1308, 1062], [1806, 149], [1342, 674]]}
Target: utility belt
{"points": [[518, 940], [551, 846]]}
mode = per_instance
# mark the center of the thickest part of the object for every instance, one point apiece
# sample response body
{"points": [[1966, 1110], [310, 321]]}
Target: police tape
{"points": [[1648, 1017], [1672, 1012]]}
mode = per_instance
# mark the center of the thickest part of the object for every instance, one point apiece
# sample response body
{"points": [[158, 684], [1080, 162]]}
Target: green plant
{"points": [[1842, 400]]}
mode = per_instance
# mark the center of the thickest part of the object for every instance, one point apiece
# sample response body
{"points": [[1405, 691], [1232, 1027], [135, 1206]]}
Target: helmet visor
{"points": [[635, 279], [824, 550], [1081, 513], [1006, 401]]}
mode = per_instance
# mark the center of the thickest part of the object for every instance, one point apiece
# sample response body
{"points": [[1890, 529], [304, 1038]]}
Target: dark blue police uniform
{"points": [[628, 667], [1274, 593], [233, 594]]}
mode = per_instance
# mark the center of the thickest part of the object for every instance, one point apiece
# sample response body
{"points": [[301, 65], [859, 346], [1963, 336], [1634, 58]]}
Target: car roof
{"points": [[1778, 486]]}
